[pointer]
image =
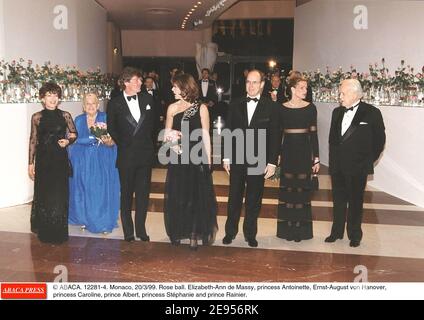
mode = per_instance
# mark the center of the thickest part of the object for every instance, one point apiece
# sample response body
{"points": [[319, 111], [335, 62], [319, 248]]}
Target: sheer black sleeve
{"points": [[35, 121], [314, 132], [71, 131]]}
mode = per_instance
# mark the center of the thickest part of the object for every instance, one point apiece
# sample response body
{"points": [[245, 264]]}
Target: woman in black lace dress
{"points": [[52, 130], [299, 159], [190, 203]]}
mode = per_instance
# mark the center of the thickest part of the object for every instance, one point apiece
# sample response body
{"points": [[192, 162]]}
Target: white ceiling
{"points": [[161, 14]]}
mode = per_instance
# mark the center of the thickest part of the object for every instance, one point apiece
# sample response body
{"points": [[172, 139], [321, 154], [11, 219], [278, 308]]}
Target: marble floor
{"points": [[391, 248]]}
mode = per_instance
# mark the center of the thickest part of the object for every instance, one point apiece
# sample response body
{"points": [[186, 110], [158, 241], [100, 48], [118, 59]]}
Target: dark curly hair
{"points": [[50, 87]]}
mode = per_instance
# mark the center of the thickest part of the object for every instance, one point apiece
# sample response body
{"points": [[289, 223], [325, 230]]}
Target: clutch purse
{"points": [[314, 182]]}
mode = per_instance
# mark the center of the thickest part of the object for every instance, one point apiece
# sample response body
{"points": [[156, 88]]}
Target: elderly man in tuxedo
{"points": [[253, 113], [357, 138], [130, 121]]}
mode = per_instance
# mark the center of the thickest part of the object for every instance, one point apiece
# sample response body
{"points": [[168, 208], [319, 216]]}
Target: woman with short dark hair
{"points": [[52, 131]]}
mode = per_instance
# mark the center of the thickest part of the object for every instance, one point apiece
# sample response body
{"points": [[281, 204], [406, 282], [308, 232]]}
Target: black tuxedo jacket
{"points": [[158, 107], [356, 151], [212, 95], [266, 116], [135, 146]]}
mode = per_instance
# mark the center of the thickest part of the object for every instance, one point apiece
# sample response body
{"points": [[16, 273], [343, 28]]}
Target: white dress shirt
{"points": [[134, 107], [205, 87], [251, 107], [348, 117]]}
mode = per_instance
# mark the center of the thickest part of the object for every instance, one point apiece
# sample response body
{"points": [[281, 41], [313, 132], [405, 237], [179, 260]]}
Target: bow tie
{"points": [[351, 108], [252, 99], [205, 80], [274, 89], [129, 98]]}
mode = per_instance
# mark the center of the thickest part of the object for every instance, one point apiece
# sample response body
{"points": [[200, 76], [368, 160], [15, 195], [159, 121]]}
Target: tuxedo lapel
{"points": [[243, 107], [360, 113], [127, 113], [141, 104], [255, 114]]}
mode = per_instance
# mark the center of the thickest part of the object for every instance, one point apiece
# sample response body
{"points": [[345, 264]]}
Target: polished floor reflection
{"points": [[391, 249]]}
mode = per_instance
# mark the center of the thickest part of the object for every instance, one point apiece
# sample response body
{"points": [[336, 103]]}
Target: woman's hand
{"points": [[31, 172], [107, 140], [315, 168], [173, 135], [63, 143]]}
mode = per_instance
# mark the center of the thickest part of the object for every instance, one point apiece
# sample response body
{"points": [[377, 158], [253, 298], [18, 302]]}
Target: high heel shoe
{"points": [[193, 244]]}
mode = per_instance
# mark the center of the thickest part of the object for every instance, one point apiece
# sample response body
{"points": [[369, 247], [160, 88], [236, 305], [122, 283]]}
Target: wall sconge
{"points": [[115, 51], [272, 64]]}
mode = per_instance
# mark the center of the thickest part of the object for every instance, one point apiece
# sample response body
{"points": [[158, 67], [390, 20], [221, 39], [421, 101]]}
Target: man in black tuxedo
{"points": [[130, 120], [357, 138], [249, 114], [276, 90], [148, 88], [208, 93]]}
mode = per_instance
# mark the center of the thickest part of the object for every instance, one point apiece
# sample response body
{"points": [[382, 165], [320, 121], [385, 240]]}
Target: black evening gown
{"points": [[298, 150], [190, 203], [49, 215]]}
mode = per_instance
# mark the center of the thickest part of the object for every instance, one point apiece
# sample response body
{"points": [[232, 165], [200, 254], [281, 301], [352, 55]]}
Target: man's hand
{"points": [[31, 172], [269, 171]]}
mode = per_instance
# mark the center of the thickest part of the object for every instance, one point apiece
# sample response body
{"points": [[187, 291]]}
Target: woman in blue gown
{"points": [[94, 187]]}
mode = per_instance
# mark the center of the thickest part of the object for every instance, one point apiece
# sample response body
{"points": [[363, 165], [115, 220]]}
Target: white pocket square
{"points": [[363, 123], [148, 107]]}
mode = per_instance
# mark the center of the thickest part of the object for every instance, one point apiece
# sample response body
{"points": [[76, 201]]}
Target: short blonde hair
{"points": [[86, 95]]}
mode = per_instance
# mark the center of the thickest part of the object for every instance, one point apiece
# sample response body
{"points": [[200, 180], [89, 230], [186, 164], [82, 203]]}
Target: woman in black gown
{"points": [[52, 130], [298, 160], [190, 203]]}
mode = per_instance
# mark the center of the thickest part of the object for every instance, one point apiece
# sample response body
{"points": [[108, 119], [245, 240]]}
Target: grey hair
{"points": [[355, 85]]}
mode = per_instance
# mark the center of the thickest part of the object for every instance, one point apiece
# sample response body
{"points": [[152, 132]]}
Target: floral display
{"points": [[21, 80], [405, 87]]}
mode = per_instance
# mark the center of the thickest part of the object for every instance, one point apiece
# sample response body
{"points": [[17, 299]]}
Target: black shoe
{"points": [[130, 239], [252, 242], [332, 239], [206, 241], [175, 242], [227, 239], [144, 238], [355, 243]]}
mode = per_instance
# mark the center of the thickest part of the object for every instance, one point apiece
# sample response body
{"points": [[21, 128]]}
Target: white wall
{"points": [[29, 33], [2, 49], [324, 34], [91, 35]]}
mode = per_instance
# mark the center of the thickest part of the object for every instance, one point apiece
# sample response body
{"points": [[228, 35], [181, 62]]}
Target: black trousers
{"points": [[254, 186], [135, 180], [348, 199]]}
